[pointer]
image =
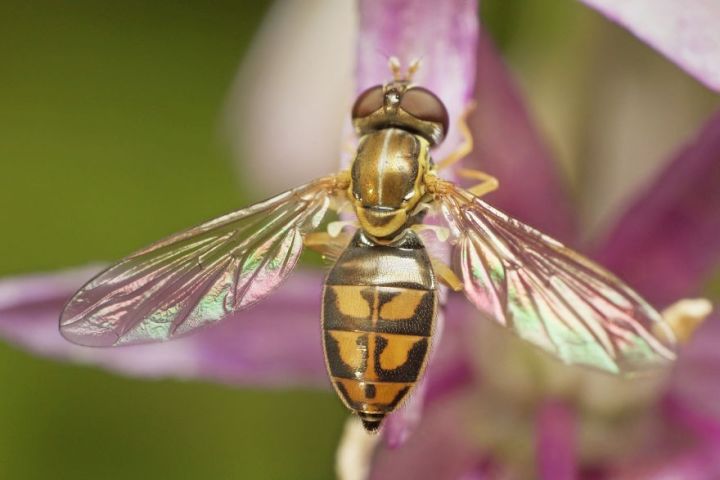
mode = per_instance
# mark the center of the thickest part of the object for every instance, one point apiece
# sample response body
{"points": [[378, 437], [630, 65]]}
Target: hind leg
{"points": [[446, 275]]}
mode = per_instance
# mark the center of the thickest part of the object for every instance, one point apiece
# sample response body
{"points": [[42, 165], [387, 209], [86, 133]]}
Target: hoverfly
{"points": [[380, 299]]}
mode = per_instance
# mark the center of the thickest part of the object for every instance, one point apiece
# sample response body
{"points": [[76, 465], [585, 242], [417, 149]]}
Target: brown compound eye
{"points": [[422, 104], [368, 102]]}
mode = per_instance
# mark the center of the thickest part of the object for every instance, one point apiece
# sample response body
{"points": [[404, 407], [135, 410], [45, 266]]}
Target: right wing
{"points": [[550, 295], [199, 276]]}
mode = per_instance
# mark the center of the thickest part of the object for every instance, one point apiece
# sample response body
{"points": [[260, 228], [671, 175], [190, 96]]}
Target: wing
{"points": [[198, 276], [550, 295]]}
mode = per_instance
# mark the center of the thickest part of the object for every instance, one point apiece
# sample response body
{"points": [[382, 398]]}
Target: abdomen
{"points": [[379, 308]]}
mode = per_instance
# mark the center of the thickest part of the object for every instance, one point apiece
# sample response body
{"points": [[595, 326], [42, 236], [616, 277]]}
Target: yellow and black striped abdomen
{"points": [[379, 307]]}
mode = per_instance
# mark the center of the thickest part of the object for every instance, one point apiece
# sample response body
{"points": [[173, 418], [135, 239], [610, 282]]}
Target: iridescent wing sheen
{"points": [[550, 295], [199, 276]]}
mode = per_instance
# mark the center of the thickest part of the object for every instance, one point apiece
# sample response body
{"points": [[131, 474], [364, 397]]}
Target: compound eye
{"points": [[422, 104], [368, 102]]}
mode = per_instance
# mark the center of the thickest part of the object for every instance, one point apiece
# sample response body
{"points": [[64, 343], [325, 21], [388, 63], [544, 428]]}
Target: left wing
{"points": [[198, 276], [550, 295]]}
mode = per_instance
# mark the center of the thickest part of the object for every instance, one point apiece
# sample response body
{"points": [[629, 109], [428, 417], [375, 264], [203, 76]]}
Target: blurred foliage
{"points": [[108, 140]]}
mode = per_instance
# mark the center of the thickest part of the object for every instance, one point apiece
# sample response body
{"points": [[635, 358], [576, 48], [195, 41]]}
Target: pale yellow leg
{"points": [[446, 274], [467, 142], [487, 184], [330, 247]]}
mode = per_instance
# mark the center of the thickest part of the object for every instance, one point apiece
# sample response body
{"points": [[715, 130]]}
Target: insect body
{"points": [[379, 307], [380, 298]]}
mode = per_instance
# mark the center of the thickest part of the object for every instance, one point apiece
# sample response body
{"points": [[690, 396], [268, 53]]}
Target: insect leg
{"points": [[442, 270], [487, 184], [330, 247], [446, 275], [465, 147]]}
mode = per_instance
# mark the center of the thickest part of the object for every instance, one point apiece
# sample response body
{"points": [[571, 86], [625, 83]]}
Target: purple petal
{"points": [[556, 438], [449, 370], [700, 463], [689, 439], [509, 146], [668, 241], [401, 423], [683, 412], [694, 392], [275, 344], [687, 32], [442, 34], [438, 449]]}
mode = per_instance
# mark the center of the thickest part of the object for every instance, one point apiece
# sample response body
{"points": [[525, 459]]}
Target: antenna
{"points": [[396, 69]]}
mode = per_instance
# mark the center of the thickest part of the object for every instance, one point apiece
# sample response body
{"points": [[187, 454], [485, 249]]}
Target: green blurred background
{"points": [[109, 120]]}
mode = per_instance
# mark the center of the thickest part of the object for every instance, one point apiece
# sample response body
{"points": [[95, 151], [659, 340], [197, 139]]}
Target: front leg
{"points": [[466, 147], [487, 184], [438, 187]]}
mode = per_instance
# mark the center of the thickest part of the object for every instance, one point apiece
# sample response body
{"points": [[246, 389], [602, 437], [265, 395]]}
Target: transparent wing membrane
{"points": [[199, 276], [550, 295]]}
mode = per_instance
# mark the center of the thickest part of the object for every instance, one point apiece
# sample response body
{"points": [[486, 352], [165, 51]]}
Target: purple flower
{"points": [[686, 32], [490, 407]]}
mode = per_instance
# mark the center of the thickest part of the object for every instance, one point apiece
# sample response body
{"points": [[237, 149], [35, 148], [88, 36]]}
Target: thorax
{"points": [[386, 180]]}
